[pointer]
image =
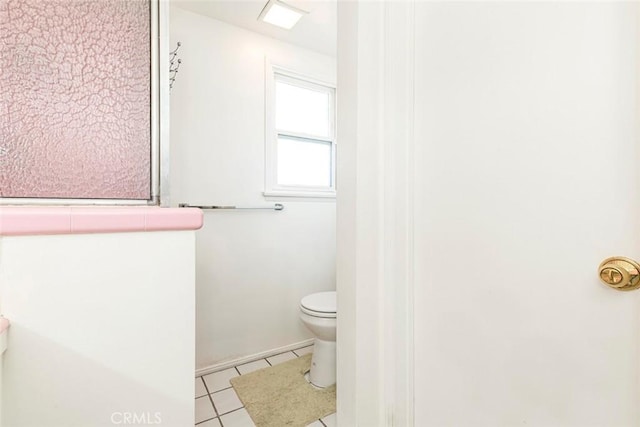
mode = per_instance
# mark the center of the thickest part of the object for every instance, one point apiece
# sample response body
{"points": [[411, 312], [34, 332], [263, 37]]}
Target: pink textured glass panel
{"points": [[75, 99]]}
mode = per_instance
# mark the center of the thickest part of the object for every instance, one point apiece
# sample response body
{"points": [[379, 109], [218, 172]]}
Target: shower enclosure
{"points": [[79, 107]]}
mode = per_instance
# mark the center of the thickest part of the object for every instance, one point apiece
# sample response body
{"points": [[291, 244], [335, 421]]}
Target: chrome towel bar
{"points": [[277, 207]]}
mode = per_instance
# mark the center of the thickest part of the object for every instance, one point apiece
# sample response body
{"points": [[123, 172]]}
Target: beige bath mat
{"points": [[280, 396]]}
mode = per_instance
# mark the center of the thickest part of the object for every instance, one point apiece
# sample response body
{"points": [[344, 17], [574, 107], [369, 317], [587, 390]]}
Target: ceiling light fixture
{"points": [[281, 14]]}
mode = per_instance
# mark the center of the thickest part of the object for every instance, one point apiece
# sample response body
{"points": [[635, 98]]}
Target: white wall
{"points": [[252, 267], [3, 339], [101, 325]]}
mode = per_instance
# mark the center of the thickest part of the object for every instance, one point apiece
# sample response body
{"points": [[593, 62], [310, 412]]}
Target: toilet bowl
{"points": [[318, 313]]}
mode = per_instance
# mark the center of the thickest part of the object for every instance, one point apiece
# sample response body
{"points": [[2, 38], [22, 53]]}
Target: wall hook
{"points": [[174, 65]]}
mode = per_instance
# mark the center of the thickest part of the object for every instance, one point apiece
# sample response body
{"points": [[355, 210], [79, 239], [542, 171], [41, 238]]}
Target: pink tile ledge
{"points": [[35, 220], [4, 325]]}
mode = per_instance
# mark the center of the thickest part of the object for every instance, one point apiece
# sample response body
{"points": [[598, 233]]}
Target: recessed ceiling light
{"points": [[281, 14]]}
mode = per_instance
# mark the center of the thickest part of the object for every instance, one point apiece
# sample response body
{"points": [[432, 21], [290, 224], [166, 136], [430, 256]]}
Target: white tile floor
{"points": [[217, 404]]}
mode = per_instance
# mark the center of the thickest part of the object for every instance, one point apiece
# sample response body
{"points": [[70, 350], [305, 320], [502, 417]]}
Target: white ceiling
{"points": [[316, 30]]}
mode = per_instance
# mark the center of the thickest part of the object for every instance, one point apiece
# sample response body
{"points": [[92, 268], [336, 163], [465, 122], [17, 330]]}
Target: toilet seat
{"points": [[321, 304]]}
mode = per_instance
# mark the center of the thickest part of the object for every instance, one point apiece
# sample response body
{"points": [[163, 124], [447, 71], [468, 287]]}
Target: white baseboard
{"points": [[251, 358]]}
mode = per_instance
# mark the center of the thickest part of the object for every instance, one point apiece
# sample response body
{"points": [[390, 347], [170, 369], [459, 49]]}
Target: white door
{"points": [[526, 178]]}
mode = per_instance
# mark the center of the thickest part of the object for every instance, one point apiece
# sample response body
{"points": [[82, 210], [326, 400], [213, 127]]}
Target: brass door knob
{"points": [[620, 273]]}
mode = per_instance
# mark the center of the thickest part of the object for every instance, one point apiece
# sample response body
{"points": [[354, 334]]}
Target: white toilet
{"points": [[318, 313]]}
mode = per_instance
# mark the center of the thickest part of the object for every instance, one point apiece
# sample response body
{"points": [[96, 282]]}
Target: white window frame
{"points": [[272, 188]]}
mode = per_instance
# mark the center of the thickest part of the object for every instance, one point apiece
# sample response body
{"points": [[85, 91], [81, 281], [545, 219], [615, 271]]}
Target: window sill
{"points": [[311, 195]]}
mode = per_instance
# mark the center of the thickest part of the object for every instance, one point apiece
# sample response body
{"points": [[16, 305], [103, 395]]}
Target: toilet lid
{"points": [[322, 302]]}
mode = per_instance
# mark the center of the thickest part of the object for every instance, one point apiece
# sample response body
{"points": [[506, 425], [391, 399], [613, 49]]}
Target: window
{"points": [[300, 137]]}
